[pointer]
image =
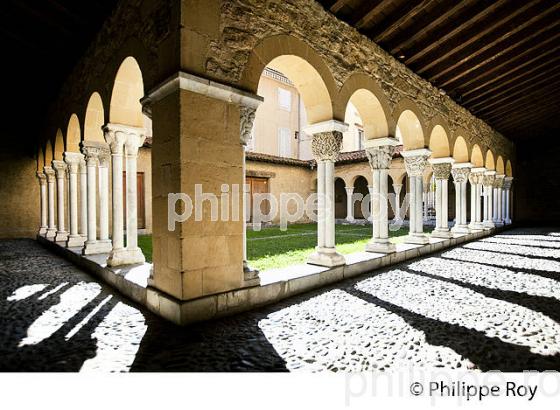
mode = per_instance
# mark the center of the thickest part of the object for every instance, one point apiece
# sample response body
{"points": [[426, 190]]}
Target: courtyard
{"points": [[492, 304]]}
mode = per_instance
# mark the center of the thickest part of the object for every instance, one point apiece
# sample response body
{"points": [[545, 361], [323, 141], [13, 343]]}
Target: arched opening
{"points": [[340, 198], [509, 170], [476, 156], [95, 119], [40, 159], [360, 187], [128, 89], [59, 147], [49, 154], [460, 150], [73, 134], [439, 142], [409, 131], [500, 168], [372, 119], [490, 163]]}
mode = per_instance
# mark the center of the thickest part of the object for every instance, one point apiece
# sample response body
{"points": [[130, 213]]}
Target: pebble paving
{"points": [[493, 304]]}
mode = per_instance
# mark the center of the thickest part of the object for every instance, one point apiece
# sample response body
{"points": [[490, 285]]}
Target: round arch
{"points": [[410, 127], [73, 134], [40, 159], [95, 119], [49, 153], [476, 156], [439, 142], [59, 147], [302, 65], [128, 89], [500, 167], [460, 150], [509, 169], [490, 163]]}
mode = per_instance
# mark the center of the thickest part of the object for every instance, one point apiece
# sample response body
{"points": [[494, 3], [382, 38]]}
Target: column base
{"points": [[350, 219], [499, 223], [250, 276], [125, 256], [444, 233], [475, 226], [61, 236], [51, 233], [417, 239], [508, 221], [96, 247], [328, 257], [486, 225], [75, 241], [376, 246], [42, 231], [460, 229]]}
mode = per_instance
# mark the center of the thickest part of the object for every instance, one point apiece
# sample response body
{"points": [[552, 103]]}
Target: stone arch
{"points": [[509, 169], [302, 65], [49, 153], [410, 126], [500, 168], [40, 159], [355, 177], [59, 146], [490, 163], [439, 142], [340, 198], [476, 156], [360, 184], [397, 178], [94, 119], [128, 89], [460, 150], [73, 134], [370, 101]]}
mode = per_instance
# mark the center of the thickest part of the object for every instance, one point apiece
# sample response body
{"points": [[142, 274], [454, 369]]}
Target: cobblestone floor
{"points": [[493, 304]]}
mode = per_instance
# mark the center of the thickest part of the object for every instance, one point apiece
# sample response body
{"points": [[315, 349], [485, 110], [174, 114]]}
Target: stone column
{"points": [[44, 205], [475, 179], [507, 194], [60, 169], [104, 159], [126, 140], [246, 120], [488, 183], [51, 179], [460, 174], [397, 188], [326, 145], [380, 153], [83, 199], [442, 171], [415, 162], [498, 184], [73, 160], [349, 203]]}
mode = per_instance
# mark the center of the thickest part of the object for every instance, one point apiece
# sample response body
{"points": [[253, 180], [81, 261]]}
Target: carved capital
{"points": [[91, 150], [246, 120], [415, 165], [60, 168], [499, 181], [442, 170], [508, 181], [50, 174], [460, 175], [119, 136], [380, 157], [488, 180], [42, 178], [73, 160], [326, 146]]}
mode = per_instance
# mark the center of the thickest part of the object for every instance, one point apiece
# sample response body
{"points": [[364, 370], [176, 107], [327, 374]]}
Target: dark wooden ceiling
{"points": [[499, 59], [41, 41]]}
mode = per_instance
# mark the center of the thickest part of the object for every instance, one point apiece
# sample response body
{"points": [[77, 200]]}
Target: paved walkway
{"points": [[493, 304]]}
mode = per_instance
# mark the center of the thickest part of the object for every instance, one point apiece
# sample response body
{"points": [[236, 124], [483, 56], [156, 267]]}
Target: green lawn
{"points": [[272, 248]]}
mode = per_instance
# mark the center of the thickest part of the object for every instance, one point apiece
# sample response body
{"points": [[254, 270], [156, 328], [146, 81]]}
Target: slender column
{"points": [[498, 184], [460, 174], [83, 199], [494, 203], [474, 177], [61, 170], [51, 178], [120, 136], [415, 162], [442, 171], [104, 158], [380, 153], [507, 193], [349, 203], [246, 120], [326, 144], [488, 183], [73, 160], [44, 206], [397, 188]]}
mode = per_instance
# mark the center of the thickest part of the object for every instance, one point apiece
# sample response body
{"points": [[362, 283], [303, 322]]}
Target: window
{"points": [[360, 139], [284, 99], [284, 143]]}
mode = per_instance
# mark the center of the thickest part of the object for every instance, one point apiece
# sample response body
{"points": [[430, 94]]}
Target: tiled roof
{"points": [[259, 157]]}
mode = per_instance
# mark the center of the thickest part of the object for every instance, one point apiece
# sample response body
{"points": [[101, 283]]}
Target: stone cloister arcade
{"points": [[197, 91]]}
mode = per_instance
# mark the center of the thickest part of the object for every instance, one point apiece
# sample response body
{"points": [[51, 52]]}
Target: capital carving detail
{"points": [[49, 173], [42, 178], [246, 120], [326, 146], [415, 165], [508, 181], [460, 175], [488, 180], [120, 136], [442, 171], [72, 160], [499, 181], [60, 168], [380, 157]]}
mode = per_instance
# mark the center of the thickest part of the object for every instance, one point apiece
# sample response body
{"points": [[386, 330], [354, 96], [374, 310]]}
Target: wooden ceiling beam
{"points": [[528, 121], [337, 5], [365, 14], [393, 20], [534, 102], [411, 10]]}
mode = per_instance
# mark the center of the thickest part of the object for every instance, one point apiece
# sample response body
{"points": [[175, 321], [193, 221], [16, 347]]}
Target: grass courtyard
{"points": [[273, 248]]}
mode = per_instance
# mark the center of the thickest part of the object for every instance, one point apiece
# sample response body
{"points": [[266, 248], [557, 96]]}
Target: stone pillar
{"points": [[380, 153], [460, 174], [104, 159], [83, 199], [349, 203], [475, 178], [415, 162], [92, 150], [51, 179], [507, 195], [60, 169], [126, 140], [397, 188], [246, 120], [442, 171], [44, 203], [488, 183], [73, 160], [498, 184], [326, 144]]}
